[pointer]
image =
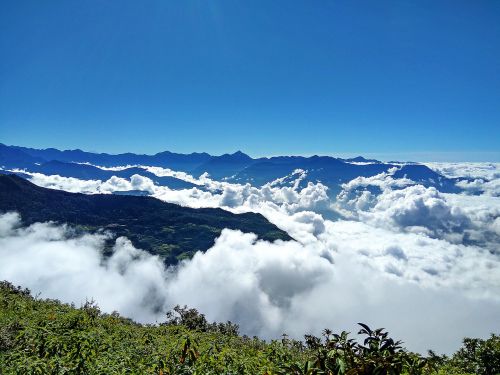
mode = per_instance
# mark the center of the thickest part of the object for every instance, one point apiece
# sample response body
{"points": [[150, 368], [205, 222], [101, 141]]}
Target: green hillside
{"points": [[169, 230]]}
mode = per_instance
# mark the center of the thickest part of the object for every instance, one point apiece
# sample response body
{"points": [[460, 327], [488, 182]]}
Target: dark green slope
{"points": [[171, 231]]}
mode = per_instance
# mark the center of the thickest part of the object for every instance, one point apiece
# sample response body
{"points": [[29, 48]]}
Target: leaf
{"points": [[366, 329]]}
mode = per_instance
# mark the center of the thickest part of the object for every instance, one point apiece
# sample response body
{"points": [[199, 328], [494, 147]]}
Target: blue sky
{"points": [[391, 78]]}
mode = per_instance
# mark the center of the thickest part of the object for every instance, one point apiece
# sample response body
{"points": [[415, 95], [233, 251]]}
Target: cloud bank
{"points": [[267, 288], [385, 251], [476, 178]]}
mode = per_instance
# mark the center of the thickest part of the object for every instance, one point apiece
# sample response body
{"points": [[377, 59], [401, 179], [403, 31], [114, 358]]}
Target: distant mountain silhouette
{"points": [[330, 171], [13, 157], [236, 167], [168, 159], [224, 166], [427, 177], [171, 231], [360, 159]]}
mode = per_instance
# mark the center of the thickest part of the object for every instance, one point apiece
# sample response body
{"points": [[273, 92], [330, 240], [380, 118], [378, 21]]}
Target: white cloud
{"points": [[404, 256], [49, 259], [476, 178], [486, 171], [427, 262], [382, 180], [75, 185], [117, 168], [480, 186], [455, 218], [272, 288], [416, 207]]}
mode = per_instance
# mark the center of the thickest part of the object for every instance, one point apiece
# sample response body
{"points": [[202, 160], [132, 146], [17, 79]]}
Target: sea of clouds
{"points": [[385, 251]]}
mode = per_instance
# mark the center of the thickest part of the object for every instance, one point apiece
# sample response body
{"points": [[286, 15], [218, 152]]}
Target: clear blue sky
{"points": [[266, 77]]}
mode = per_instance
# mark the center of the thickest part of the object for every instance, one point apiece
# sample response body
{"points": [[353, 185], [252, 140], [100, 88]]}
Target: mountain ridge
{"points": [[237, 167], [166, 229]]}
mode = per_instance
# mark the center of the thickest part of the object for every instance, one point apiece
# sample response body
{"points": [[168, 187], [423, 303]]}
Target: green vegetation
{"points": [[48, 337], [171, 231]]}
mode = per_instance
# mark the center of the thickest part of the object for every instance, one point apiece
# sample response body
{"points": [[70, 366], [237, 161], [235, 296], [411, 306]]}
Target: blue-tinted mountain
{"points": [[182, 162], [12, 157], [360, 159], [224, 166], [236, 167], [327, 170], [427, 177], [81, 171]]}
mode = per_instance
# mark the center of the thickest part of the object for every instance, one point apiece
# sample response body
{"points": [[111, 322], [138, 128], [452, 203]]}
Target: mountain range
{"points": [[237, 167]]}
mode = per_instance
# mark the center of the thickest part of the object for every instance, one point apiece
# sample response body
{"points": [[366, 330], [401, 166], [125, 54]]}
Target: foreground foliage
{"points": [[48, 337]]}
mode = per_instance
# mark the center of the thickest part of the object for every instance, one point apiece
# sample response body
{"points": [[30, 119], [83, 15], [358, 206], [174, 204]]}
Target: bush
{"points": [[48, 337]]}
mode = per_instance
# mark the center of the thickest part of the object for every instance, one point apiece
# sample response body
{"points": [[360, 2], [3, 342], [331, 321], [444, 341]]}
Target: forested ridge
{"points": [[171, 231]]}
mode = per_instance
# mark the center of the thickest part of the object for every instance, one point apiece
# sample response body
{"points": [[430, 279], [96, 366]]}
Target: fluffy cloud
{"points": [[380, 201], [383, 181], [474, 178], [416, 258], [271, 198], [275, 288], [51, 260], [481, 186], [387, 251], [487, 171], [268, 288], [75, 185], [117, 168], [361, 193], [401, 205], [416, 208]]}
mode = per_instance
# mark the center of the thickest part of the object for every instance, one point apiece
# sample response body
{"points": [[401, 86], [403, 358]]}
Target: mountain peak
{"points": [[240, 154], [236, 156]]}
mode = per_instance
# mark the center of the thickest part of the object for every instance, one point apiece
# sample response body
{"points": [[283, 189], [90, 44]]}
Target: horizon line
{"points": [[402, 156]]}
